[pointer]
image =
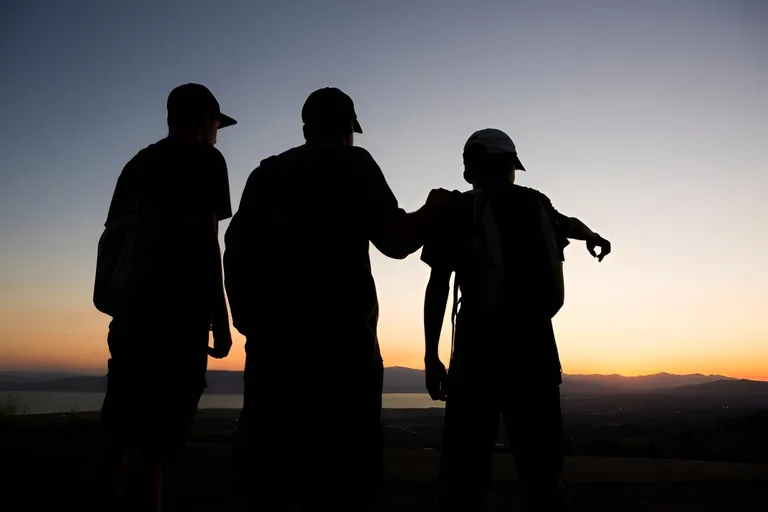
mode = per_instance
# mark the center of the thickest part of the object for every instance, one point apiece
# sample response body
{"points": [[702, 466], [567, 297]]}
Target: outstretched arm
{"points": [[395, 233], [402, 235], [577, 230]]}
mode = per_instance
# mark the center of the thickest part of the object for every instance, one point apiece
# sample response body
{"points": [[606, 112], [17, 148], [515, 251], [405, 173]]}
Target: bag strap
{"points": [[454, 311]]}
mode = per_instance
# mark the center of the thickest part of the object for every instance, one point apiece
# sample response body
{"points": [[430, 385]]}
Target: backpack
{"points": [[122, 259], [532, 275]]}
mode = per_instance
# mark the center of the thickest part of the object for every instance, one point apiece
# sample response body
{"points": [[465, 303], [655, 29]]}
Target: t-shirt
{"points": [[185, 186], [297, 262], [447, 244], [485, 340]]}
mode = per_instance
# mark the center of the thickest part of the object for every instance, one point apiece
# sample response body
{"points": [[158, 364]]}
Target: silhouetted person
{"points": [[505, 243], [298, 278], [163, 224]]}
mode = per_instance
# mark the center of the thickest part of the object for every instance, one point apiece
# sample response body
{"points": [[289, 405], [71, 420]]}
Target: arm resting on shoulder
{"points": [[403, 235]]}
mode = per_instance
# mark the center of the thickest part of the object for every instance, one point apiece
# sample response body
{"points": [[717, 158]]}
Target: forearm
{"points": [[435, 300], [577, 230], [402, 237], [219, 313]]}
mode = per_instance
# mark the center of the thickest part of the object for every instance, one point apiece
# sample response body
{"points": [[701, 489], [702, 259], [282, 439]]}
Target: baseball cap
{"points": [[329, 105], [493, 142], [196, 99]]}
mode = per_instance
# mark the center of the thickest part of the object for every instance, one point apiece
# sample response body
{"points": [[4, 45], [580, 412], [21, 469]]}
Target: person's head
{"points": [[329, 117], [194, 113], [490, 157]]}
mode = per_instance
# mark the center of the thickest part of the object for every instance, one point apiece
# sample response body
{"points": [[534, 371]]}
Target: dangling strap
{"points": [[454, 311]]}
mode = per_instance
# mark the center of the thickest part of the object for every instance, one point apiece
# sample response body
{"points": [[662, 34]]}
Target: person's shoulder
{"points": [[357, 152], [356, 163], [293, 156], [532, 193], [147, 153], [269, 166], [520, 189], [290, 157], [209, 155], [457, 211], [174, 148], [141, 159], [359, 155]]}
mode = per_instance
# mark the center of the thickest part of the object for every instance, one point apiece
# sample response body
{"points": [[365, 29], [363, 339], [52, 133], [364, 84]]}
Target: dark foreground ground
{"points": [[43, 461]]}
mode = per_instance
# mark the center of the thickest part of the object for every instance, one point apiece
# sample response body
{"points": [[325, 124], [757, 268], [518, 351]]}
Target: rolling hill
{"points": [[398, 379]]}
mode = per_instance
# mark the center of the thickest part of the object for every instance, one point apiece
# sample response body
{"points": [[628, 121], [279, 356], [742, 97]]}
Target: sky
{"points": [[646, 120]]}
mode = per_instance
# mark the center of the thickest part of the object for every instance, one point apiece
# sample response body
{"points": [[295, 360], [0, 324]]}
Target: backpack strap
{"points": [[454, 311]]}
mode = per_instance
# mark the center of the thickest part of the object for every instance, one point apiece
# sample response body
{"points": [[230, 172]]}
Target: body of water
{"points": [[44, 402]]}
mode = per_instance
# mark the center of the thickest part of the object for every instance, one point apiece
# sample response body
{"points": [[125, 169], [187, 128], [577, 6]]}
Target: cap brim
{"points": [[358, 129], [225, 120], [518, 164]]}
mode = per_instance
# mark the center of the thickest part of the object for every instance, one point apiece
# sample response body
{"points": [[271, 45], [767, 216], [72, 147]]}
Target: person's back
{"points": [[179, 183], [505, 245], [308, 270], [298, 277], [159, 277], [508, 265]]}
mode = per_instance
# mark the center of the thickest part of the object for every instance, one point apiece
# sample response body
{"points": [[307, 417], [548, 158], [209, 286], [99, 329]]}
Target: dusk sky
{"points": [[646, 120]]}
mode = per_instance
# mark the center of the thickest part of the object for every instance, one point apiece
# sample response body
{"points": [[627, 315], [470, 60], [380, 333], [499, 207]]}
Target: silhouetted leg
{"points": [[155, 379], [344, 463], [121, 415], [267, 465], [534, 427], [374, 441], [180, 406], [469, 436]]}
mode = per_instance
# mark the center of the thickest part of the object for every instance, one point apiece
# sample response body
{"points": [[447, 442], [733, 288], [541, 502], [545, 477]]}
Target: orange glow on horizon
{"points": [[92, 358], [64, 336]]}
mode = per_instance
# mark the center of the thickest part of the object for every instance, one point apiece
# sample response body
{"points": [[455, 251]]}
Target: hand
{"points": [[437, 378], [439, 198], [222, 342], [597, 241]]}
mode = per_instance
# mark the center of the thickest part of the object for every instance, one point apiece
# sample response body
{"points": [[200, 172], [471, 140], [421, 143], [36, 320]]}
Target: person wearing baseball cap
{"points": [[298, 278], [505, 244], [163, 222], [193, 108], [329, 110]]}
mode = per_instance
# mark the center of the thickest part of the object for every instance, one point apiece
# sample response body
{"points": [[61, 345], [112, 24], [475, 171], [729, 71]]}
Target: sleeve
{"points": [[560, 223], [377, 202], [219, 189], [439, 248], [125, 191]]}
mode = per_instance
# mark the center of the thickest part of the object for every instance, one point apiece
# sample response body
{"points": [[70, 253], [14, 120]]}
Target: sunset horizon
{"points": [[656, 141], [236, 363]]}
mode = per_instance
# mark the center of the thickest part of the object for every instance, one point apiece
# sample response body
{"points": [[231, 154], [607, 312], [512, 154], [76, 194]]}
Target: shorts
{"points": [[534, 428], [153, 391], [301, 439]]}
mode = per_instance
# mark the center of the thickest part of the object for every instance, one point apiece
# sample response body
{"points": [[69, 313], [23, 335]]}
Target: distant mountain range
{"points": [[398, 379]]}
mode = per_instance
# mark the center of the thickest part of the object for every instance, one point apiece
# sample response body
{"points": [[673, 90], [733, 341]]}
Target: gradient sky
{"points": [[647, 120]]}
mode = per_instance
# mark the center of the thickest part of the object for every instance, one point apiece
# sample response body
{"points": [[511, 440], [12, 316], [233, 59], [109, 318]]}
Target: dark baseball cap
{"points": [[196, 99], [492, 141], [329, 105]]}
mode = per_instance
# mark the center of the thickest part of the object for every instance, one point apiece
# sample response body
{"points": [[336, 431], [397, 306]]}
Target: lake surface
{"points": [[44, 402]]}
